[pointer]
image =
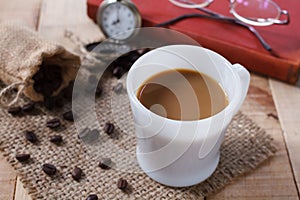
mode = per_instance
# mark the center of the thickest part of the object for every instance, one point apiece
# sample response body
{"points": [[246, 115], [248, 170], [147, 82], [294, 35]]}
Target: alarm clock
{"points": [[118, 19]]}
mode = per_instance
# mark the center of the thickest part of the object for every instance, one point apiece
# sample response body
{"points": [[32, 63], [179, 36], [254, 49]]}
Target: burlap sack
{"points": [[22, 52]]}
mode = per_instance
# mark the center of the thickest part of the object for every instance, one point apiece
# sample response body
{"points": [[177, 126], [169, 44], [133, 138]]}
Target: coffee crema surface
{"points": [[182, 94]]}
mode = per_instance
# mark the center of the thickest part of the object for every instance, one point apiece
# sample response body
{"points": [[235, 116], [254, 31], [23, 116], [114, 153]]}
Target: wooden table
{"points": [[273, 105]]}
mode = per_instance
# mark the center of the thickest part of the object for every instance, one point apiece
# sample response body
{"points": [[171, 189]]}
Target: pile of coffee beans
{"points": [[47, 80], [122, 64]]}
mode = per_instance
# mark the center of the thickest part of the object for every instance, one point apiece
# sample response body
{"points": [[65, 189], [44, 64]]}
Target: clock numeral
{"points": [[129, 15]]}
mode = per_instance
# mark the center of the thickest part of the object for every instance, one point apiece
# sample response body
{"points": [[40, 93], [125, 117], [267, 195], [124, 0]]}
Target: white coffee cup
{"points": [[183, 153]]}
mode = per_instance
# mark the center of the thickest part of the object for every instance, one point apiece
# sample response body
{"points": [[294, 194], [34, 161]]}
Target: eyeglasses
{"points": [[245, 12], [253, 12]]}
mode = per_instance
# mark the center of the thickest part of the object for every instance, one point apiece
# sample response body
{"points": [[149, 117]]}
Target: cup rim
{"points": [[228, 109]]}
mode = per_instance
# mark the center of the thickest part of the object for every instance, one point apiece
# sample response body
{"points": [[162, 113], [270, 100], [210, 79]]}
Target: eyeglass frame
{"points": [[259, 22], [209, 14]]}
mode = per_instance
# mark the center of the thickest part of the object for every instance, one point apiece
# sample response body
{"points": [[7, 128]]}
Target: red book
{"points": [[235, 43]]}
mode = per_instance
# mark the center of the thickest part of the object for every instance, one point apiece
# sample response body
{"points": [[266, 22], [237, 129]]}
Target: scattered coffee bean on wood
{"points": [[28, 107], [14, 110], [22, 157], [31, 136], [49, 169], [122, 184], [105, 163], [76, 173], [68, 116], [53, 123], [118, 88], [56, 139], [109, 128], [92, 197]]}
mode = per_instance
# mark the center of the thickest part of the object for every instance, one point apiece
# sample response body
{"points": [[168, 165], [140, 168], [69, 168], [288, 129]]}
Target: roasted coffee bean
{"points": [[31, 136], [99, 90], [22, 157], [68, 91], [47, 89], [92, 197], [89, 136], [14, 110], [28, 107], [76, 173], [92, 79], [109, 128], [122, 184], [49, 169], [118, 88], [56, 139], [53, 123], [118, 72], [105, 163], [84, 132], [37, 87], [59, 102], [49, 102], [38, 76], [133, 56], [69, 116]]}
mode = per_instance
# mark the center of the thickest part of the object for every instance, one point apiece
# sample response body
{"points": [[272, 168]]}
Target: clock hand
{"points": [[118, 18], [118, 14]]}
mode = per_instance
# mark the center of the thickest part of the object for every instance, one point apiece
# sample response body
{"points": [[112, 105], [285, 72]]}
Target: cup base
{"points": [[177, 180]]}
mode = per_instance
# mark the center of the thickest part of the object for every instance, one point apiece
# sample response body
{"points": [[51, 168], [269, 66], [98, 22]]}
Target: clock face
{"points": [[118, 21]]}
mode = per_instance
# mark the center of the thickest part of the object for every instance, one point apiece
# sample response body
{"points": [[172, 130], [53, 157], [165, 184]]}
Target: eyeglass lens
{"points": [[260, 12], [253, 12]]}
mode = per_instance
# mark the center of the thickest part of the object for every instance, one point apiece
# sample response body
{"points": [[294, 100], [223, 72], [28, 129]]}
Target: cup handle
{"points": [[244, 77]]}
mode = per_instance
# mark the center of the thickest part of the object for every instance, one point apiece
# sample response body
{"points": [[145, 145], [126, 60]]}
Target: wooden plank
{"points": [[59, 16], [56, 17], [7, 180], [21, 193], [287, 102], [25, 13], [273, 179]]}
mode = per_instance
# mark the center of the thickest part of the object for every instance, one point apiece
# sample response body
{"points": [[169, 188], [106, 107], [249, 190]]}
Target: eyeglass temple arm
{"points": [[218, 17]]}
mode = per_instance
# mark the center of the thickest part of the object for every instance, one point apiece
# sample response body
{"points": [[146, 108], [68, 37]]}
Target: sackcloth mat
{"points": [[245, 146]]}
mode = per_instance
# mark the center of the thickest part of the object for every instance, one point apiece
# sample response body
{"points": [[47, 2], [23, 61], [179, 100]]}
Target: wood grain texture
{"points": [[22, 12], [7, 180], [25, 13], [21, 193], [274, 178], [59, 16], [287, 101]]}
